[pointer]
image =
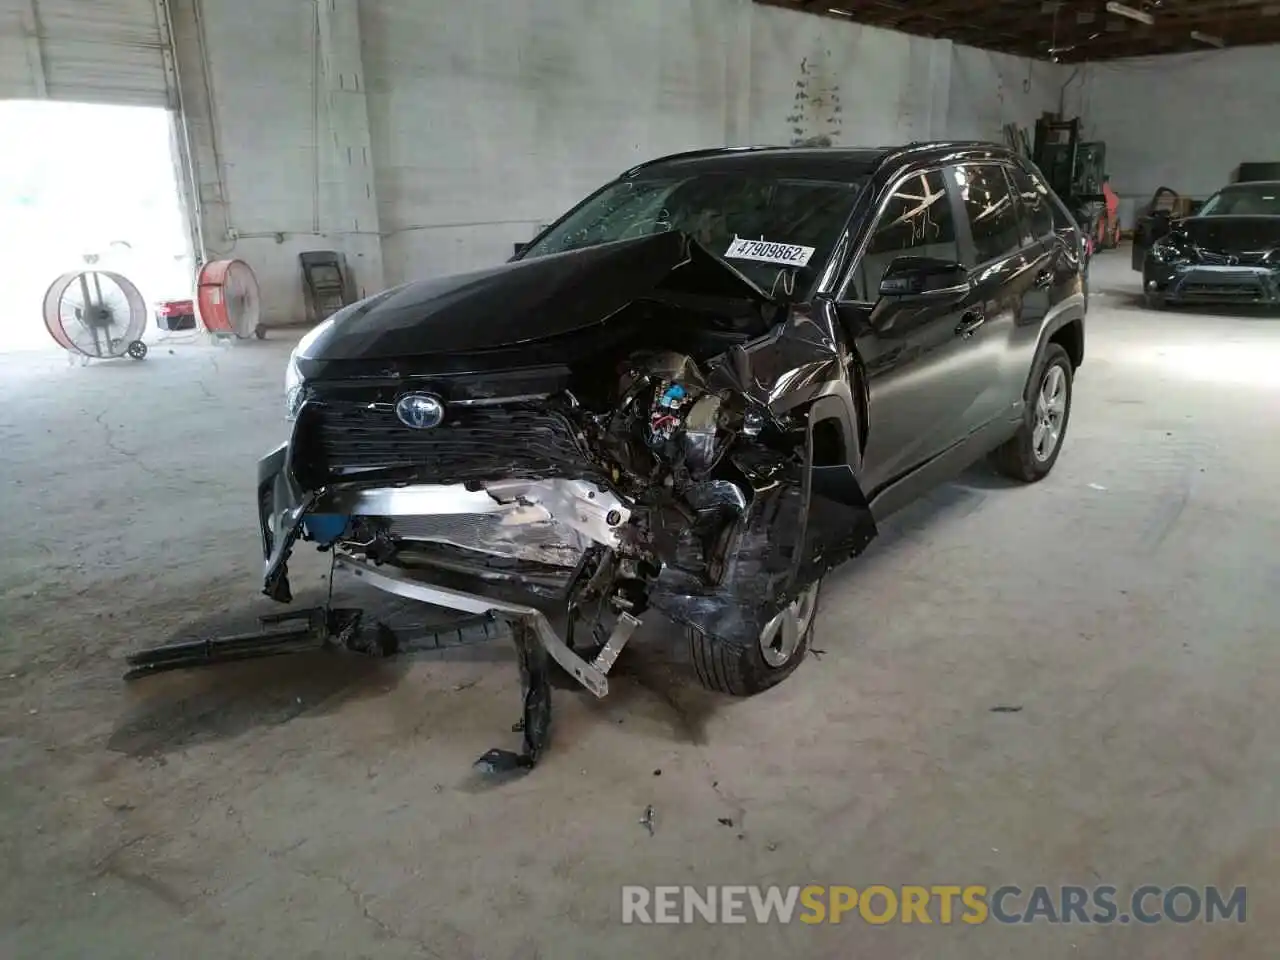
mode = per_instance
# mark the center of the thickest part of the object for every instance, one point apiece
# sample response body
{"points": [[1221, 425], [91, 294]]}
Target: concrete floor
{"points": [[322, 806]]}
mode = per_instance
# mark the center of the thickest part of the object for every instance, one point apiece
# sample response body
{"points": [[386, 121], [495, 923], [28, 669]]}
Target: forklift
{"points": [[1075, 168]]}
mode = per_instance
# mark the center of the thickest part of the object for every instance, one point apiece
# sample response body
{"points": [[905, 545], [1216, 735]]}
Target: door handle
{"points": [[1044, 278], [970, 322]]}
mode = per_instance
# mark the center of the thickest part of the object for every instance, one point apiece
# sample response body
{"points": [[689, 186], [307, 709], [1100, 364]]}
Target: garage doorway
{"points": [[87, 186]]}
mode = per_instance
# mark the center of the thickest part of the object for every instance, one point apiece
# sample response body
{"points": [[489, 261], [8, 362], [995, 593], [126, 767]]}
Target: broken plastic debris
{"points": [[647, 821]]}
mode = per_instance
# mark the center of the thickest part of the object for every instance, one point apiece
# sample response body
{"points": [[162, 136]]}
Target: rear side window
{"points": [[916, 222], [992, 215], [1033, 198]]}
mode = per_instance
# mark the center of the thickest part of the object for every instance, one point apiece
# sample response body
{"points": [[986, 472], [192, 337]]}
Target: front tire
{"points": [[745, 669], [1034, 449]]}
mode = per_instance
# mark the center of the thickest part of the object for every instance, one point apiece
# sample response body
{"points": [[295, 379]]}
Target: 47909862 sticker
{"points": [[786, 254]]}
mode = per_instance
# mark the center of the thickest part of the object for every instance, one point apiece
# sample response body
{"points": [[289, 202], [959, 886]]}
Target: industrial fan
{"points": [[227, 299], [97, 314]]}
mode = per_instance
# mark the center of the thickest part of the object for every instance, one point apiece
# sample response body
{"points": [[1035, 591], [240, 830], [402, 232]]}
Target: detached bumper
{"points": [[1205, 283], [592, 675], [283, 509]]}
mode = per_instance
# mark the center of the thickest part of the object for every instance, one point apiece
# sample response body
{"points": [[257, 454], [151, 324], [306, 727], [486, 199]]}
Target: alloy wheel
{"points": [[781, 636], [1050, 413]]}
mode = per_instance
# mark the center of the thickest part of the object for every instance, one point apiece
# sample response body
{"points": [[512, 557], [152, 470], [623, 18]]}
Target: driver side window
{"points": [[916, 222]]}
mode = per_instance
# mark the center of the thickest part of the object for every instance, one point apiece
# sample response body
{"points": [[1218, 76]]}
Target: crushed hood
{"points": [[523, 301], [1232, 235]]}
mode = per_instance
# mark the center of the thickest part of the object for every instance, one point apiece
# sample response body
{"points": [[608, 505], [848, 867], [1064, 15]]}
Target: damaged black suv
{"points": [[693, 394]]}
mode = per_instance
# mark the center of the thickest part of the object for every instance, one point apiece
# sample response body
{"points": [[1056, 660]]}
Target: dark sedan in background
{"points": [[1228, 253]]}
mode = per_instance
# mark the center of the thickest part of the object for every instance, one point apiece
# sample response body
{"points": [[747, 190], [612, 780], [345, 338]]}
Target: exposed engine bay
{"points": [[689, 497], [624, 478]]}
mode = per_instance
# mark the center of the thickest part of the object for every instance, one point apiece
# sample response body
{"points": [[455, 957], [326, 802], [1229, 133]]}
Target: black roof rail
{"points": [[702, 152], [886, 152], [989, 145]]}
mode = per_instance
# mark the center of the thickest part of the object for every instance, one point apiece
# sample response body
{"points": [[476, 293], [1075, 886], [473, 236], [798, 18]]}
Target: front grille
{"points": [[1224, 291], [473, 443], [1247, 259], [1223, 286]]}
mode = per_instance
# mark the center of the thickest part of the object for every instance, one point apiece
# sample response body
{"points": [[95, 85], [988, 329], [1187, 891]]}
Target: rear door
{"points": [[1010, 275], [1061, 269], [914, 349]]}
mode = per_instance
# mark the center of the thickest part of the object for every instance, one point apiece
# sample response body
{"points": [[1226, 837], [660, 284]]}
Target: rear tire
{"points": [[742, 669], [1028, 457]]}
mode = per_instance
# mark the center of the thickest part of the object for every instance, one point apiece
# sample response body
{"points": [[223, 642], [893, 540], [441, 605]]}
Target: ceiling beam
{"points": [[1031, 27]]}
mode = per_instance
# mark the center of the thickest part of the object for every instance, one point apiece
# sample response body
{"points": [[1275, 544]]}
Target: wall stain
{"points": [[816, 109]]}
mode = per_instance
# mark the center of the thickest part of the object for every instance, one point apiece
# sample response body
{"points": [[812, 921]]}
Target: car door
{"points": [[1009, 275], [913, 348], [1060, 268]]}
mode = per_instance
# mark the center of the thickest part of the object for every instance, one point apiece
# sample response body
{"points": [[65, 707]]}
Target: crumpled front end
{"points": [[1227, 260], [683, 493], [1219, 280], [664, 460]]}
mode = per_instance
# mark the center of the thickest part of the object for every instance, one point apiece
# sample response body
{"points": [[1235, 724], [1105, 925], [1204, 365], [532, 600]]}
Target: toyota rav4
{"points": [[694, 395]]}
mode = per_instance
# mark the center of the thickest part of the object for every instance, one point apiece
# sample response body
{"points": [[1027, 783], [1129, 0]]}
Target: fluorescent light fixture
{"points": [[1133, 14], [1208, 38], [840, 13]]}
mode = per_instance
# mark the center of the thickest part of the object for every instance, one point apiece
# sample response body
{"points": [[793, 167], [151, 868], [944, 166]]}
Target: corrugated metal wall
{"points": [[104, 51]]}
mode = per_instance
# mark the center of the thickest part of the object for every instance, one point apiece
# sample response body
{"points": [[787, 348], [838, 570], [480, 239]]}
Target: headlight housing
{"points": [[294, 388], [1169, 248]]}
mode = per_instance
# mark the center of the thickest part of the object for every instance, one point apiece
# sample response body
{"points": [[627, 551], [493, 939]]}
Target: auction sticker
{"points": [[787, 254]]}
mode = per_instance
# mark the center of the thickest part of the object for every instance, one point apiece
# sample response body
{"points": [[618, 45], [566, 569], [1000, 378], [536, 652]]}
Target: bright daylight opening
{"points": [[87, 187]]}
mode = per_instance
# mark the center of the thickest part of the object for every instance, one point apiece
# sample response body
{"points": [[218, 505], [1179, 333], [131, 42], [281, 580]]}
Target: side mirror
{"points": [[921, 276], [521, 247]]}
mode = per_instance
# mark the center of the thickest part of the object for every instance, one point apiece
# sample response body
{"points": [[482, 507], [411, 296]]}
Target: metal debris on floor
{"points": [[294, 632]]}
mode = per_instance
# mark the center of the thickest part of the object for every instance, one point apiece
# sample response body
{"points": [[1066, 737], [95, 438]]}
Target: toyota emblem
{"points": [[420, 411]]}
